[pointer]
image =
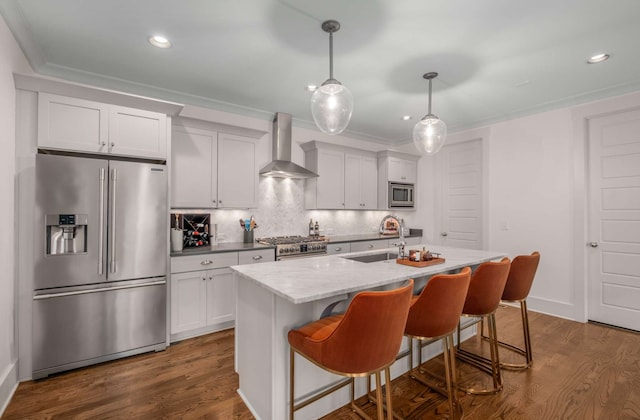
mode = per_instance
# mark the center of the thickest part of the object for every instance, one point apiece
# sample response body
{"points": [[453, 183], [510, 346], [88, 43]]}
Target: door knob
{"points": [[444, 234], [593, 244]]}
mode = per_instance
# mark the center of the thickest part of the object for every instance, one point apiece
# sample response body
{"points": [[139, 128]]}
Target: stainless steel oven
{"points": [[291, 247], [401, 195]]}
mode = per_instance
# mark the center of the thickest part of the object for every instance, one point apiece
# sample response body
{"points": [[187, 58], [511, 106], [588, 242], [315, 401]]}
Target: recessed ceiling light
{"points": [[311, 88], [159, 41], [598, 58], [406, 117]]}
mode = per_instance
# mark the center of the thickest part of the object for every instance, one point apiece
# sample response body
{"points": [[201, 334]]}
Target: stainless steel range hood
{"points": [[281, 165]]}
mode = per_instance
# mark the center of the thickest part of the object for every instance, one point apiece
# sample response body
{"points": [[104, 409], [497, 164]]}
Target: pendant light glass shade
{"points": [[331, 107], [430, 133], [331, 103]]}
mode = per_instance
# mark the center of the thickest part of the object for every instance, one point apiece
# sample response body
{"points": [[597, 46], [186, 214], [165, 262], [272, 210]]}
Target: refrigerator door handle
{"points": [[101, 223], [112, 232], [102, 289]]}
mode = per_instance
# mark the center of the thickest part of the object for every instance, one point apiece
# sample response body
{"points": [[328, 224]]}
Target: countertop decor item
{"points": [[430, 132], [408, 261], [331, 103]]}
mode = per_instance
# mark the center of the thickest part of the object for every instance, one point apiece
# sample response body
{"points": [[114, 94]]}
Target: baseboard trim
{"points": [[8, 386], [550, 307]]}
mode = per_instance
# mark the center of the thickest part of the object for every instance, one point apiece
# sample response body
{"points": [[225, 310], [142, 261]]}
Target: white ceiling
{"points": [[497, 59]]}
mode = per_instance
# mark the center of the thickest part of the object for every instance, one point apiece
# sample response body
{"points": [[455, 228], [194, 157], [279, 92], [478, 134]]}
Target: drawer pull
{"points": [[206, 262], [370, 246], [257, 257], [338, 249]]}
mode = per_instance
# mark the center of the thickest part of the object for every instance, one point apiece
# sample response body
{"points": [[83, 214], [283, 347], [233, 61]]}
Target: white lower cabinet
{"points": [[339, 248], [373, 244], [203, 292], [369, 245]]}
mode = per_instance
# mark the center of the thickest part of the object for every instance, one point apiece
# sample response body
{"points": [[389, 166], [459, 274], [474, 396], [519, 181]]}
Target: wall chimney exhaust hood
{"points": [[281, 165]]}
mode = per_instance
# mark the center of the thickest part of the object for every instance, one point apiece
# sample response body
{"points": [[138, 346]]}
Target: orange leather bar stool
{"points": [[521, 275], [485, 290], [363, 341], [434, 314]]}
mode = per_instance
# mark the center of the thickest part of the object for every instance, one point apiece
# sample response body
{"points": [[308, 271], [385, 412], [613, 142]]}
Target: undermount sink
{"points": [[374, 257]]}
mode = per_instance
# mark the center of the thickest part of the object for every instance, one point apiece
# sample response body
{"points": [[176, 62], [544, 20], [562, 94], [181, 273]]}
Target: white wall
{"points": [[536, 187], [11, 60]]}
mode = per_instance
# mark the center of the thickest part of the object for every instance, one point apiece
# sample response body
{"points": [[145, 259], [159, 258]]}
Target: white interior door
{"points": [[614, 220], [461, 195]]}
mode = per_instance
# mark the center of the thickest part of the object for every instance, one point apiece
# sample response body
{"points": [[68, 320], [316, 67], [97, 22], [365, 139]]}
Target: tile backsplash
{"points": [[281, 212]]}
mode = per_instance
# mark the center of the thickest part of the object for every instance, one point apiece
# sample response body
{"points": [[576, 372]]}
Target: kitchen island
{"points": [[274, 297]]}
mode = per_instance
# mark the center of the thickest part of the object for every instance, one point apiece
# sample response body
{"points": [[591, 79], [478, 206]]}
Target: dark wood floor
{"points": [[580, 371]]}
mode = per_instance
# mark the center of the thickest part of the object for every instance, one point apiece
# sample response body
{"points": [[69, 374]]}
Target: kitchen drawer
{"points": [[203, 262], [339, 248], [369, 245], [257, 256]]}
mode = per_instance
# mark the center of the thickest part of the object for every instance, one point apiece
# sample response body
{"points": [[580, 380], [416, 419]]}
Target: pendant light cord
{"points": [[429, 113], [331, 55]]}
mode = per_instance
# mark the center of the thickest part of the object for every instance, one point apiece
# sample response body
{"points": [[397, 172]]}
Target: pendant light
{"points": [[429, 133], [331, 103]]}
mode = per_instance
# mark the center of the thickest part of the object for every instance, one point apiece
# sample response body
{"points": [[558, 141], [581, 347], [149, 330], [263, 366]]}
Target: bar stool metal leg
{"points": [[524, 352]]}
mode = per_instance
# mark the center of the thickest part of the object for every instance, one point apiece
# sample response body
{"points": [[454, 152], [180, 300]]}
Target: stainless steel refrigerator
{"points": [[100, 261]]}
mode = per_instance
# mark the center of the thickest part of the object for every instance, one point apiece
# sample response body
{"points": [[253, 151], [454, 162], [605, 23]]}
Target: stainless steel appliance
{"points": [[401, 195], [281, 165], [100, 261], [290, 247]]}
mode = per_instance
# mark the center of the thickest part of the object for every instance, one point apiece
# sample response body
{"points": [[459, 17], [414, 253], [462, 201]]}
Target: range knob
{"points": [[292, 249]]}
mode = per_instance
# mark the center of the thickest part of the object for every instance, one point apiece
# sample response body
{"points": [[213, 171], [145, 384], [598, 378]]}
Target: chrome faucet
{"points": [[402, 242]]}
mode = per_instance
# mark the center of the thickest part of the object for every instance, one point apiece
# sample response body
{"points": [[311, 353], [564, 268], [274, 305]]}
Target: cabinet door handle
{"points": [[338, 249], [214, 201], [257, 257], [210, 277], [444, 234], [204, 278], [112, 144], [403, 177], [206, 262]]}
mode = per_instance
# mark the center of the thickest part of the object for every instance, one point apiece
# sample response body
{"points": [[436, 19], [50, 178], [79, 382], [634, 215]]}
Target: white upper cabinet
{"points": [[78, 125], [135, 132], [402, 170], [327, 190], [212, 170], [194, 179], [360, 182], [348, 177], [72, 124], [237, 175]]}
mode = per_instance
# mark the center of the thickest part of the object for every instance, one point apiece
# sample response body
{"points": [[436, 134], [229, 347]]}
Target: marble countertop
{"points": [[221, 247], [310, 279]]}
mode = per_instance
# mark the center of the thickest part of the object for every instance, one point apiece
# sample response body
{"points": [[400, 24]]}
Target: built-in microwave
{"points": [[401, 195]]}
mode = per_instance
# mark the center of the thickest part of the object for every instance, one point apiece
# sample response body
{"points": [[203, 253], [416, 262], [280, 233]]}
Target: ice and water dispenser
{"points": [[66, 233]]}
